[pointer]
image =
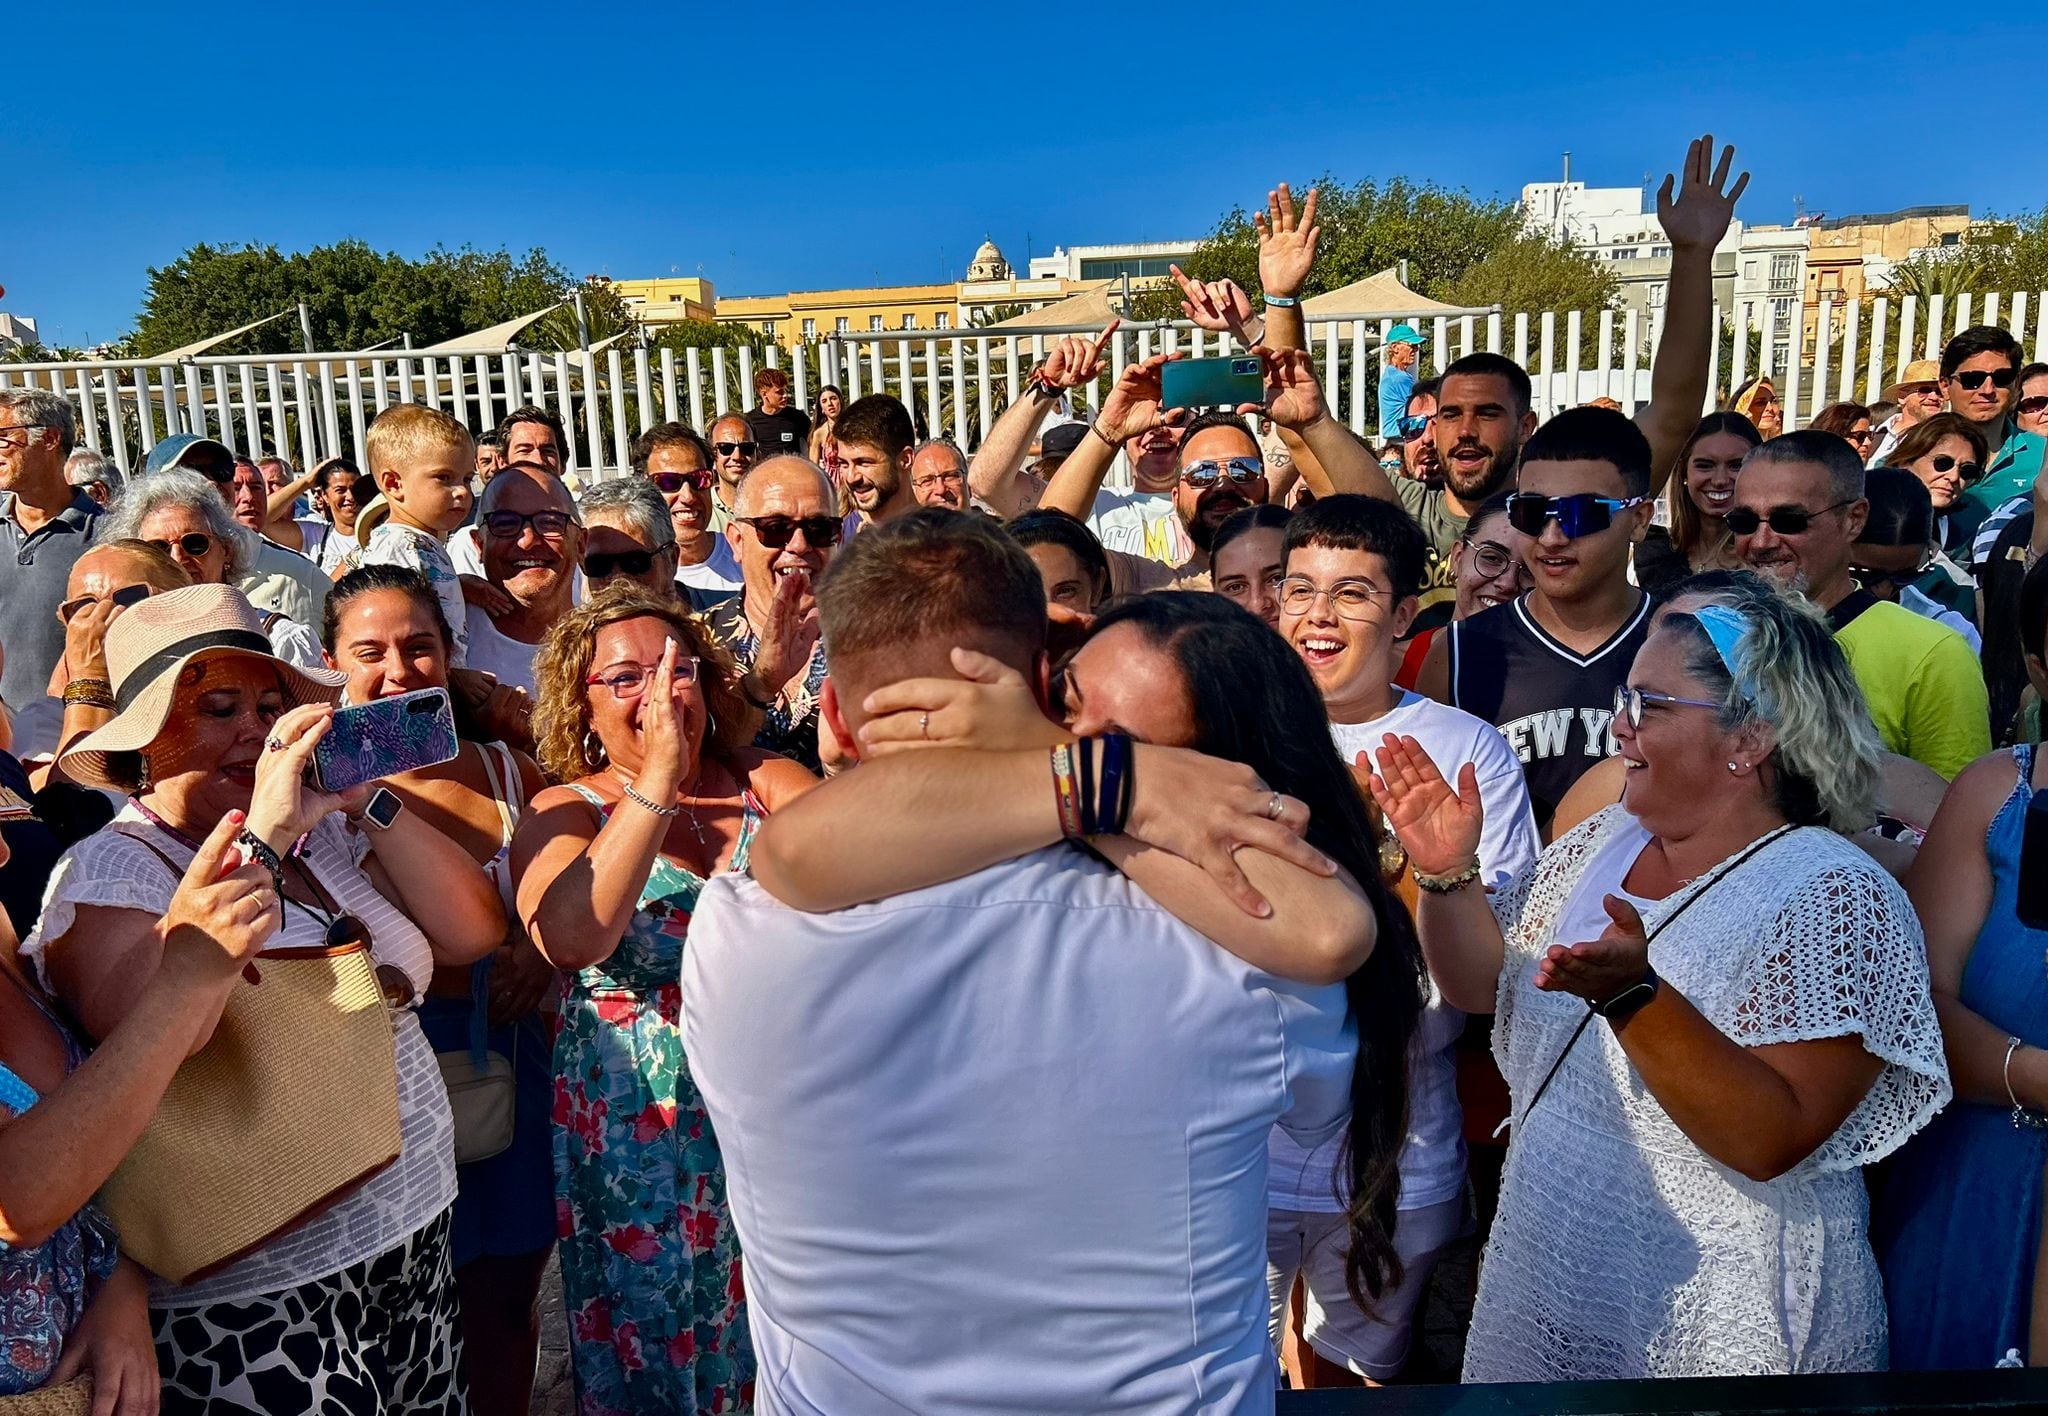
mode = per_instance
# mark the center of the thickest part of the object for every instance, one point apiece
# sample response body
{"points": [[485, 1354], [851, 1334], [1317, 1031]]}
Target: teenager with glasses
{"points": [[1711, 1009], [532, 547], [1543, 667], [1799, 510], [1488, 568], [641, 716], [678, 463]]}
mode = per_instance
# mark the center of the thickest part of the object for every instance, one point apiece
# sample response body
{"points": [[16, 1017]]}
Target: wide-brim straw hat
{"points": [[148, 646], [1920, 371]]}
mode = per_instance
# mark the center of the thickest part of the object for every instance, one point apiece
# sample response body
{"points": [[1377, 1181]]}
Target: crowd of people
{"points": [[915, 931]]}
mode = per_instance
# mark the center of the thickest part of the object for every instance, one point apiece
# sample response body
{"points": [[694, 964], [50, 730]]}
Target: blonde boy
{"points": [[421, 460]]}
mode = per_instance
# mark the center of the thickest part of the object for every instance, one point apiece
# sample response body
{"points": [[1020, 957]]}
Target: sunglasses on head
{"points": [[602, 565], [669, 483], [127, 595], [193, 543], [1942, 462], [1581, 514], [1240, 470], [1974, 379], [728, 449], [775, 532], [1783, 520]]}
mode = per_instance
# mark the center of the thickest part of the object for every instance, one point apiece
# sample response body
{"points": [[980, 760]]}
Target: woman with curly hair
{"points": [[639, 712]]}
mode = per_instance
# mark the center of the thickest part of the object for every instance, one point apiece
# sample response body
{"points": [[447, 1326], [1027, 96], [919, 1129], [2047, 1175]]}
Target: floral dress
{"points": [[650, 1260]]}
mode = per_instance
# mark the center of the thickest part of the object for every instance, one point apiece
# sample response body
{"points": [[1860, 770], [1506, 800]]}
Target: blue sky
{"points": [[801, 146]]}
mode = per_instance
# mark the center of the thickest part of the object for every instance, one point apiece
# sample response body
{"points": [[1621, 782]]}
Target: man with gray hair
{"points": [[45, 525], [938, 474], [627, 535], [94, 474], [1799, 510]]}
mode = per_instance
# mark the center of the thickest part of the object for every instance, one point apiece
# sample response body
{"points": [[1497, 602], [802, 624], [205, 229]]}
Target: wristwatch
{"points": [[1630, 1000], [380, 810]]}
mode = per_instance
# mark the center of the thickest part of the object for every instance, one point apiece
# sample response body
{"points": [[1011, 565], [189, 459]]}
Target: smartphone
{"points": [[384, 737], [2032, 904], [1208, 383]]}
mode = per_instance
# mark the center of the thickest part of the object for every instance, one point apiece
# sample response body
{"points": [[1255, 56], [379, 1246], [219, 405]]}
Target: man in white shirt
{"points": [[1354, 570], [532, 546], [978, 1159]]}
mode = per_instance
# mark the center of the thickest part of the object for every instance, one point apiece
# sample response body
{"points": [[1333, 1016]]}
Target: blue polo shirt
{"points": [[1395, 386], [34, 570]]}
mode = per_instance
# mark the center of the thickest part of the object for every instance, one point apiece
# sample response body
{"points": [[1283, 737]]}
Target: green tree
{"points": [[1535, 273]]}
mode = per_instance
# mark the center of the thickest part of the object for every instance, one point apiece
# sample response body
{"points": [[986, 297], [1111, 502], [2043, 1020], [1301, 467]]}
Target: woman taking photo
{"points": [[1959, 1221], [385, 630], [1711, 1011], [354, 1306], [1699, 496], [640, 714]]}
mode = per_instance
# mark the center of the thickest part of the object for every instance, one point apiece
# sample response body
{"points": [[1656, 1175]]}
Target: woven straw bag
{"points": [[291, 1106], [74, 1398]]}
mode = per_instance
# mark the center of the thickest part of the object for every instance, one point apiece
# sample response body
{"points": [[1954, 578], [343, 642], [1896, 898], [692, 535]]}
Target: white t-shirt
{"points": [[1433, 1158], [1000, 1145], [500, 654], [1140, 524], [717, 571], [466, 550]]}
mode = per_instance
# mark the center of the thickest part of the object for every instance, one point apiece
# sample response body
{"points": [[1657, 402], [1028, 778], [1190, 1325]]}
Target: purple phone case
{"points": [[383, 737]]}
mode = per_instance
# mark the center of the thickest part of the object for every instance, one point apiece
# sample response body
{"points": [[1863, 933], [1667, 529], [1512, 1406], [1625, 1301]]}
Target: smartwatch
{"points": [[1631, 1000], [380, 810]]}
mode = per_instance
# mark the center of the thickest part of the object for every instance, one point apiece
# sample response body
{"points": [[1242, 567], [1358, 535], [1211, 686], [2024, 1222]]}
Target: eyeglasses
{"points": [[602, 565], [124, 597], [775, 532], [1628, 703], [1581, 514], [669, 483], [939, 479], [1352, 599], [22, 435], [1942, 462], [1974, 379], [1240, 470], [728, 449], [631, 680], [1493, 560], [1783, 520], [2033, 403], [1414, 426], [193, 543], [510, 525], [1885, 584]]}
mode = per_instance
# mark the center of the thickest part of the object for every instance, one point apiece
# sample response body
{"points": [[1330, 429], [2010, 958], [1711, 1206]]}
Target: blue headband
{"points": [[1726, 627]]}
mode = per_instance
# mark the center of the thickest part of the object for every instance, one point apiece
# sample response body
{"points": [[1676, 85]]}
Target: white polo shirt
{"points": [[1000, 1145]]}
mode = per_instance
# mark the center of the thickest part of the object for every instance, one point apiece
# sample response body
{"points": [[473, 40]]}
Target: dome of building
{"points": [[988, 263]]}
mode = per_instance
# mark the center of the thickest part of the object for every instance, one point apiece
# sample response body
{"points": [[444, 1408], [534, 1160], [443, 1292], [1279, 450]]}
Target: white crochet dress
{"points": [[1620, 1249]]}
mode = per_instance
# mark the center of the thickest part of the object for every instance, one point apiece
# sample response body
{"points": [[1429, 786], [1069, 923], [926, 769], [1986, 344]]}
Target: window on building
{"points": [[1951, 238], [1625, 253], [810, 329], [942, 320], [910, 321], [1657, 251], [768, 328], [1136, 267], [675, 299], [842, 325], [875, 324], [1785, 271]]}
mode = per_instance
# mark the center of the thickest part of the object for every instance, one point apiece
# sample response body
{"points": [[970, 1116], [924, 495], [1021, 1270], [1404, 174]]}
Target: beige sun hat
{"points": [[373, 513], [149, 645], [1920, 371]]}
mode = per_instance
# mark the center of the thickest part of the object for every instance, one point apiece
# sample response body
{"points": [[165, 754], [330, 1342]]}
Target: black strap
{"points": [[151, 669], [1851, 605], [1580, 1031]]}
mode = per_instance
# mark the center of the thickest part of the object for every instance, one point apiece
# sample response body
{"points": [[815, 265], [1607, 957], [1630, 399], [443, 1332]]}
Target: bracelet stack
{"points": [[1092, 784], [259, 851], [1445, 884], [91, 692]]}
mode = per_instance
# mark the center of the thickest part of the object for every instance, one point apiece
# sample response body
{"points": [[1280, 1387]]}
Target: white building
{"points": [[1618, 226], [1770, 278], [17, 329], [1145, 262]]}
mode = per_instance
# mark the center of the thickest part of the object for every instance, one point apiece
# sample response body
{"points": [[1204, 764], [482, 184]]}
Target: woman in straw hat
{"points": [[353, 1309]]}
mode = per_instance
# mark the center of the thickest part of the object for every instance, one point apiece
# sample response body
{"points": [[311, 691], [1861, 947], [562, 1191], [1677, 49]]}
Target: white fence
{"points": [[316, 405]]}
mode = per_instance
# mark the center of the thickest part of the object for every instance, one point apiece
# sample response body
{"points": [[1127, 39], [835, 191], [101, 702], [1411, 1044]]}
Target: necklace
{"points": [[688, 811]]}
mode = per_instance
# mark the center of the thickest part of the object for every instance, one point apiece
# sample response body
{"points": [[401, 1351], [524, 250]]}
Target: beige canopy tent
{"points": [[1381, 294], [498, 337], [1090, 308], [213, 341]]}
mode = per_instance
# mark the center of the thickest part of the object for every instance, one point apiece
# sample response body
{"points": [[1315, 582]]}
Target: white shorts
{"points": [[1313, 1246]]}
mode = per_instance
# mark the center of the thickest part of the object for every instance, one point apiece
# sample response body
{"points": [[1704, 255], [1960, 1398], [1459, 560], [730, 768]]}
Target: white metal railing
{"points": [[316, 405]]}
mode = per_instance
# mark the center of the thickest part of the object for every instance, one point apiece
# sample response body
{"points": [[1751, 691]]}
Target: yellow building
{"points": [[1849, 257], [668, 299], [815, 314]]}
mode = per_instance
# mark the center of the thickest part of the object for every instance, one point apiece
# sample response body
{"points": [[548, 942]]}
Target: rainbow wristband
{"points": [[1066, 791]]}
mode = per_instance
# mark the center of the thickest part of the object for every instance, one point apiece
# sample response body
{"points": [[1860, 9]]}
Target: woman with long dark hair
{"points": [[1174, 670], [1701, 490]]}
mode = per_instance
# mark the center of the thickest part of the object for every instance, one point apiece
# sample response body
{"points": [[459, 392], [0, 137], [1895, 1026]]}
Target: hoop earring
{"points": [[593, 747]]}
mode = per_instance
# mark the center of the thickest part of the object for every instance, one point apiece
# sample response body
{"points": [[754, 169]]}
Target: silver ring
{"points": [[924, 726], [1275, 807], [275, 744]]}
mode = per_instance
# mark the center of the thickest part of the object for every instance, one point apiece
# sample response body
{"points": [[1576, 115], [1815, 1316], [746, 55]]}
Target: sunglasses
{"points": [[1414, 426], [669, 483], [2033, 403], [1581, 514], [193, 543], [1974, 379], [1240, 470], [1390, 464], [510, 525], [602, 565], [1628, 703], [1942, 462], [1783, 520], [631, 680], [775, 532], [124, 597], [728, 449]]}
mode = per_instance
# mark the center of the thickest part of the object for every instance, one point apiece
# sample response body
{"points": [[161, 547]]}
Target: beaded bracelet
{"points": [[2022, 1118], [259, 851], [1445, 884]]}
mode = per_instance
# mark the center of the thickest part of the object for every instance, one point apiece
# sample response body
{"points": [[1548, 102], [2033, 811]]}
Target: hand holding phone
{"points": [[383, 738], [1229, 382]]}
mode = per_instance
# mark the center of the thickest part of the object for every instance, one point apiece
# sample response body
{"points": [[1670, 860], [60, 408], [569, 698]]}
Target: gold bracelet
{"points": [[1445, 884], [92, 692]]}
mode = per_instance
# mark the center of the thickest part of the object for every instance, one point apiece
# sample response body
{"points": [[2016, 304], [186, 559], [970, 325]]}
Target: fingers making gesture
{"points": [[1075, 359], [1287, 241], [1220, 306], [1135, 402]]}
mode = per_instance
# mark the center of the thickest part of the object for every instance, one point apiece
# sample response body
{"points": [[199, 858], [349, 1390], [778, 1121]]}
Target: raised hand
{"points": [[1294, 394], [989, 707], [664, 752], [790, 635], [1701, 212], [1601, 969], [1133, 405], [1075, 359], [1204, 810], [85, 642], [224, 910], [1218, 305], [1287, 243], [1438, 827], [284, 804]]}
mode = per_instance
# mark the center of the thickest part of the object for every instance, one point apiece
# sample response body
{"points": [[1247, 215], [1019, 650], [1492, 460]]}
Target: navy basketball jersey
{"points": [[1554, 706]]}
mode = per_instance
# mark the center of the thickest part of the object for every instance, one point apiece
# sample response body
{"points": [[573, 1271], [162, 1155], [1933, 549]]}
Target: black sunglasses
{"points": [[1974, 379], [775, 531], [193, 543], [127, 595], [602, 565], [1783, 520], [1942, 462], [728, 449], [549, 525], [669, 483]]}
